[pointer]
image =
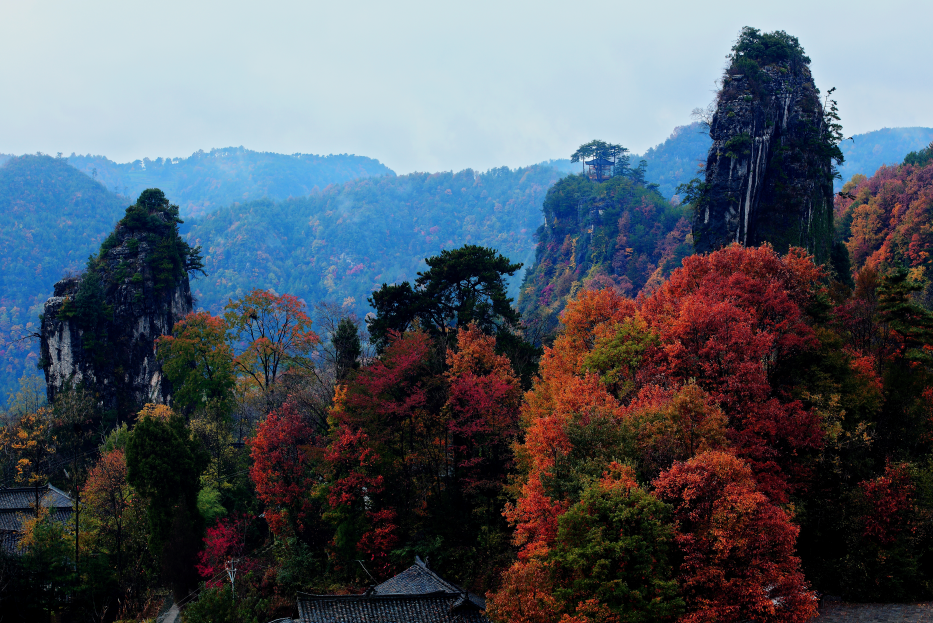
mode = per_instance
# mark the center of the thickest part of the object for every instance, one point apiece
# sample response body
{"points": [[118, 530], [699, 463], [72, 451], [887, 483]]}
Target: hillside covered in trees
{"points": [[206, 181], [886, 221], [52, 217], [341, 243], [619, 234], [336, 244], [747, 432]]}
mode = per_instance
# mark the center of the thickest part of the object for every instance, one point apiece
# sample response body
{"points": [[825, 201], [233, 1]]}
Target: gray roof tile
{"points": [[415, 580], [431, 608], [24, 498], [416, 595]]}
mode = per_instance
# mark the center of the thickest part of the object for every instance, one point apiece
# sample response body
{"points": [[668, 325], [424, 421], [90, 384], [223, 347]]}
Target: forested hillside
{"points": [[619, 234], [52, 217], [676, 160], [329, 243], [341, 243], [866, 152], [886, 221], [204, 182]]}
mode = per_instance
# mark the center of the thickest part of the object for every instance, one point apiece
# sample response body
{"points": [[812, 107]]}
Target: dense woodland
{"points": [[309, 246], [757, 426], [342, 243], [625, 432], [52, 218], [56, 217]]}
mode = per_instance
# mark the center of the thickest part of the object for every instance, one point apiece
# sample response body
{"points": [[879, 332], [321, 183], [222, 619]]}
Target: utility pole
{"points": [[77, 491], [231, 573]]}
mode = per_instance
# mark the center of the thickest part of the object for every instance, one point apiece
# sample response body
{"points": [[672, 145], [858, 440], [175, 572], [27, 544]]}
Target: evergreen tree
{"points": [[164, 465], [460, 286], [347, 348]]}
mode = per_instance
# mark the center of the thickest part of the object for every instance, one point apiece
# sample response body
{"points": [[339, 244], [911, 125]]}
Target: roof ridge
{"points": [[442, 580], [382, 596], [59, 491]]}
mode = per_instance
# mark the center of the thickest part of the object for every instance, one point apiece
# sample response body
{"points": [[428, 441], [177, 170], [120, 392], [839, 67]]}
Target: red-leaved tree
{"points": [[733, 322], [737, 547], [224, 541], [283, 451]]}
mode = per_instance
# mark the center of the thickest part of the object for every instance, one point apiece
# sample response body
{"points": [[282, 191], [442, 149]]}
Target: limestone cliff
{"points": [[98, 329], [770, 168]]}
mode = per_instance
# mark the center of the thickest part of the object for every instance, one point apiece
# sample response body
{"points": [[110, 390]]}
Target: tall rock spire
{"points": [[98, 329], [769, 172]]}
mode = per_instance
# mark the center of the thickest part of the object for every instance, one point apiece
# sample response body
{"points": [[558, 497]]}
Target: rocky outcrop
{"points": [[99, 329], [769, 171], [619, 234]]}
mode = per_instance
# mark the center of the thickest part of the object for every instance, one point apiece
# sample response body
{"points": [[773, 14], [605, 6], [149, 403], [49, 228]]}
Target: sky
{"points": [[422, 86]]}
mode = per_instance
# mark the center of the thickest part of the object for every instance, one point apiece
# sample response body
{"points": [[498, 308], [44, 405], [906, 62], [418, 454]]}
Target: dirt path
{"points": [[876, 613]]}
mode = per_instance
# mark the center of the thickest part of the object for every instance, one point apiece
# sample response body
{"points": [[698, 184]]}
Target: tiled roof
{"points": [[415, 580], [17, 505], [9, 541], [430, 608], [419, 580], [12, 520], [24, 498]]}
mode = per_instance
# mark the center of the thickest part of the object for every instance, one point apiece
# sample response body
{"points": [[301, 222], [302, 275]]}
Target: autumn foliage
{"points": [[744, 433], [413, 443], [692, 385], [886, 218], [224, 541], [737, 547], [281, 451]]}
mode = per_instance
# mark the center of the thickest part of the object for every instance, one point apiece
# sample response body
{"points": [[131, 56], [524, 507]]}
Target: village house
{"points": [[416, 595]]}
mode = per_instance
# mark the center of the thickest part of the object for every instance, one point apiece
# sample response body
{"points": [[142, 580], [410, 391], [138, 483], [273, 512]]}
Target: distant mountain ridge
{"points": [[206, 181], [867, 152]]}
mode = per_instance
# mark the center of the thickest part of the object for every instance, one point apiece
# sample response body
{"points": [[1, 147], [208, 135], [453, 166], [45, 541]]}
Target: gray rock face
{"points": [[768, 175], [115, 355]]}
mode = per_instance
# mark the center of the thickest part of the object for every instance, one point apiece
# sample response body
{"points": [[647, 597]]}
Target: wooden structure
{"points": [[416, 595], [599, 169], [19, 504]]}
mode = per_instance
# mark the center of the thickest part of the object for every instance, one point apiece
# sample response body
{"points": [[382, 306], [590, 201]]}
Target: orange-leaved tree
{"points": [[611, 561], [109, 499], [34, 443], [271, 332], [705, 363]]}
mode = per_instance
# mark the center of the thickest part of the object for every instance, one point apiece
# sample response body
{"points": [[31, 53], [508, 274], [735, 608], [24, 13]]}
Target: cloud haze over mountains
{"points": [[420, 86]]}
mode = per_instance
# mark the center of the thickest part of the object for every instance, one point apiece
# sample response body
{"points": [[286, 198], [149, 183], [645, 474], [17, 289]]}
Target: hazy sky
{"points": [[422, 85]]}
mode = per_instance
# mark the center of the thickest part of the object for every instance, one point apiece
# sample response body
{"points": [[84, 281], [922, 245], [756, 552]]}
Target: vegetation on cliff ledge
{"points": [[144, 253]]}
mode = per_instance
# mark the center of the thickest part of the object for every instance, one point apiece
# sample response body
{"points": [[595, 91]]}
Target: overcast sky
{"points": [[422, 86]]}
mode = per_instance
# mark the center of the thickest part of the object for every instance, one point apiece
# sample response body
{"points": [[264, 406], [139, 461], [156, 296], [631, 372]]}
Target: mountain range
{"points": [[320, 227]]}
